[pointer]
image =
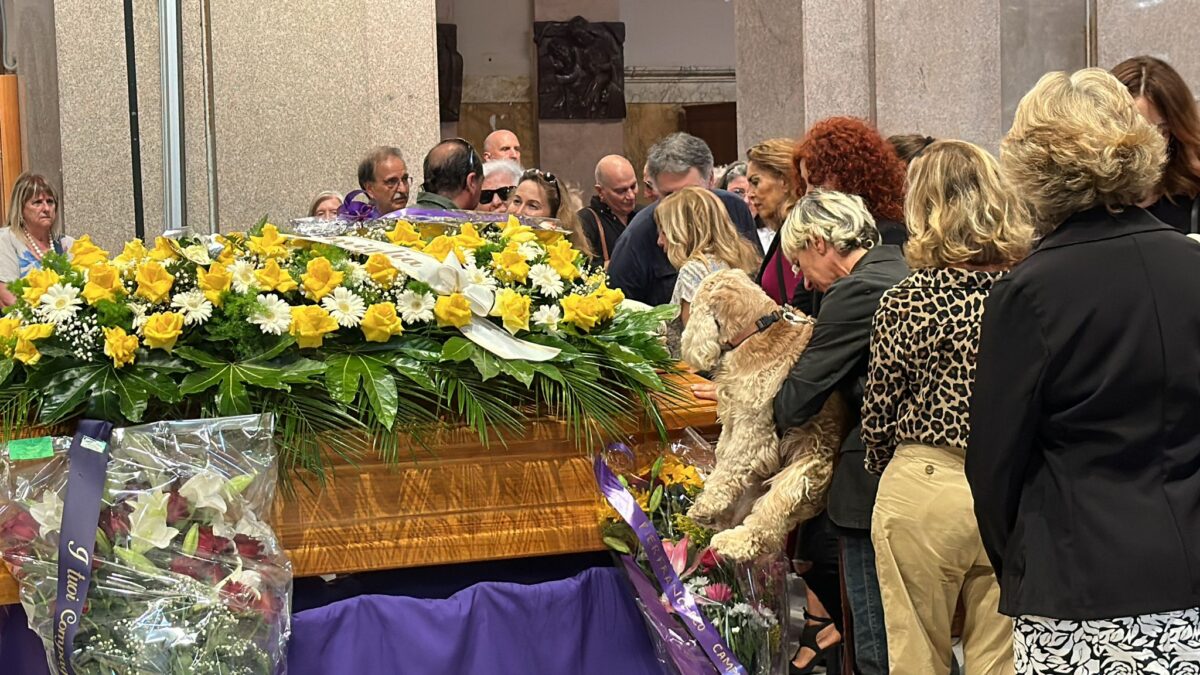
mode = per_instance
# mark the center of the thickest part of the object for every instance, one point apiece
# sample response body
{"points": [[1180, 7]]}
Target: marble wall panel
{"points": [[646, 123], [770, 69], [1037, 37], [838, 60], [31, 29], [1163, 28]]}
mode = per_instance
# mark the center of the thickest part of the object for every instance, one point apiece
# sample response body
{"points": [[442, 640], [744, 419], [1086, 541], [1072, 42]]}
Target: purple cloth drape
{"points": [[584, 625]]}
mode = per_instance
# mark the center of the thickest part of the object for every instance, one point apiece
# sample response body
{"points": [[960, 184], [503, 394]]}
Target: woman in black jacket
{"points": [[1084, 450]]}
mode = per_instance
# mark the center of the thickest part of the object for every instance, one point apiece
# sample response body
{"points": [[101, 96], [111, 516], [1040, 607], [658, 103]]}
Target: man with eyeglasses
{"points": [[453, 177], [383, 175], [500, 178]]}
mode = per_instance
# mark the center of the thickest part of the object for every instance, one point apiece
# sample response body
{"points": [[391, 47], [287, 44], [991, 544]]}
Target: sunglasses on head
{"points": [[538, 173], [486, 196]]}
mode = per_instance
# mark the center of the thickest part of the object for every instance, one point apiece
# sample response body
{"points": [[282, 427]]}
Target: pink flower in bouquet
{"points": [[677, 554], [709, 559], [718, 592], [21, 527], [177, 508], [210, 545]]}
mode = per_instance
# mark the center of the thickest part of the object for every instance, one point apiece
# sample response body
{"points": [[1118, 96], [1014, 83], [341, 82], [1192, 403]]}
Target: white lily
{"points": [[48, 512], [148, 523], [206, 490]]}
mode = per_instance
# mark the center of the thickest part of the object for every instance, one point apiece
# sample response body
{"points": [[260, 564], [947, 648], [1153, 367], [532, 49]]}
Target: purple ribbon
{"points": [[355, 211], [682, 601], [88, 464]]}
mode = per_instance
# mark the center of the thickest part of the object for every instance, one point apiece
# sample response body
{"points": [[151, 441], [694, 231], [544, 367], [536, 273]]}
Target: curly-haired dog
{"points": [[739, 333]]}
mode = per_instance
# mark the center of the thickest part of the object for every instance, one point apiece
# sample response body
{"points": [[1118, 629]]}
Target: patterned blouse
{"points": [[923, 348], [690, 275]]}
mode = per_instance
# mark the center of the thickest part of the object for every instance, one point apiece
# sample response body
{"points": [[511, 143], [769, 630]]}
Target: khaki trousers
{"points": [[927, 553]]}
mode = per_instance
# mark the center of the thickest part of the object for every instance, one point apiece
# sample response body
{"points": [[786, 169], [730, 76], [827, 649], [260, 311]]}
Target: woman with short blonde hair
{"points": [[1084, 447], [839, 219], [965, 229], [34, 229]]}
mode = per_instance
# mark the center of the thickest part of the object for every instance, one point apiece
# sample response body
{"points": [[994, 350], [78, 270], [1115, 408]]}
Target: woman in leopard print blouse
{"points": [[965, 229]]}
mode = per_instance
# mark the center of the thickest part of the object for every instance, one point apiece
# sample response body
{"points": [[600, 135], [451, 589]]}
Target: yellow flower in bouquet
{"points": [[26, 352], [585, 311], [162, 330], [432, 230], [675, 472], [229, 250], [381, 270], [380, 322], [8, 327], [84, 253], [163, 250], [274, 278], [515, 232], [133, 253], [154, 282], [319, 279], [404, 234], [442, 245], [270, 244], [119, 346], [36, 284], [452, 310], [513, 308], [562, 259], [609, 299], [310, 325], [468, 237], [214, 281], [510, 264], [548, 237], [104, 283]]}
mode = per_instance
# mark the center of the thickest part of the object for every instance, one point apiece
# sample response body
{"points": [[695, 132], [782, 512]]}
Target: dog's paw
{"points": [[739, 544], [705, 511]]}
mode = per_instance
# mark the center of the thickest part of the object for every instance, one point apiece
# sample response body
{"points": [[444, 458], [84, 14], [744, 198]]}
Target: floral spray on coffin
{"points": [[145, 552], [704, 614]]}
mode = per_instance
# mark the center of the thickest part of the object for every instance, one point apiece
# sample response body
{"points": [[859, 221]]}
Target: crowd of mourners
{"points": [[1023, 481]]}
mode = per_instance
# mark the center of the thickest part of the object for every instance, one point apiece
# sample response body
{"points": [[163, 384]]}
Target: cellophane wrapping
{"points": [[186, 575]]}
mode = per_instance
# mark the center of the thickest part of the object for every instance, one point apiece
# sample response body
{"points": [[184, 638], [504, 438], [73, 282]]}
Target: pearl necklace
{"points": [[34, 247]]}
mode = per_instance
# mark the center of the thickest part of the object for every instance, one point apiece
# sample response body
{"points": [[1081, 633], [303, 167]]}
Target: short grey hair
{"points": [[679, 153], [839, 219], [503, 166]]}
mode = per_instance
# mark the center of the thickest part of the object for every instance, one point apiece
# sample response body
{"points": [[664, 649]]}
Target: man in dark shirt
{"points": [[614, 204], [453, 177], [639, 267]]}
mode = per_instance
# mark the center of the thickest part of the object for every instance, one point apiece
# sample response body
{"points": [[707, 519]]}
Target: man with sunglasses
{"points": [[453, 177], [383, 175], [500, 178]]}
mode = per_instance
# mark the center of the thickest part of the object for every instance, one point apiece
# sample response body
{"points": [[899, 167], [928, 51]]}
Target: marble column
{"points": [[770, 69], [1038, 37], [839, 60]]}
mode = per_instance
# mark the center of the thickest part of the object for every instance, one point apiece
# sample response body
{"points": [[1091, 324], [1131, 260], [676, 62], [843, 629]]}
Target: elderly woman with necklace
{"points": [[30, 234]]}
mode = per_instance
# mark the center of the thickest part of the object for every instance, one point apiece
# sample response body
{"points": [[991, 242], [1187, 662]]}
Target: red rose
{"points": [[709, 560], [248, 547], [210, 545], [200, 570], [177, 508], [20, 528], [115, 521]]}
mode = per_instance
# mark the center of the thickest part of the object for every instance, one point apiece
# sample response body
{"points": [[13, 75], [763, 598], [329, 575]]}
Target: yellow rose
{"points": [[510, 265], [84, 253], [381, 270], [119, 346], [273, 278], [162, 330], [36, 283], [514, 231], [548, 237], [134, 252], [154, 282], [320, 278], [228, 250], [380, 322], [104, 283], [452, 310], [441, 246], [404, 234], [214, 281], [583, 311], [310, 324], [25, 351], [431, 230], [513, 308], [8, 327], [469, 238], [269, 244], [562, 259], [163, 250], [609, 299]]}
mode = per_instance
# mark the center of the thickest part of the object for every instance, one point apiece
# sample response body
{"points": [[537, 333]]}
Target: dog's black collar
{"points": [[764, 322]]}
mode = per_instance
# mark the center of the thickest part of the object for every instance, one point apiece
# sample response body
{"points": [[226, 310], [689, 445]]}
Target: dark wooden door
{"points": [[716, 123]]}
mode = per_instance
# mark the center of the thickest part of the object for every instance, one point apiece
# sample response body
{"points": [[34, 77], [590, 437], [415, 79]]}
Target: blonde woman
{"points": [[774, 190], [965, 228], [1084, 450], [696, 233], [33, 231]]}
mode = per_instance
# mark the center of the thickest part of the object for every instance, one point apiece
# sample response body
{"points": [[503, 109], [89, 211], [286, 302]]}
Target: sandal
{"points": [[814, 626]]}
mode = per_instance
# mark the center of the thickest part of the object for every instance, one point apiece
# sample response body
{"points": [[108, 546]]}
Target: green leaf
{"points": [[163, 362], [66, 391], [617, 545], [240, 482], [487, 365], [102, 545], [621, 352], [132, 397], [423, 349], [137, 561], [232, 398], [6, 369], [655, 499], [654, 470], [521, 371], [191, 540], [199, 358], [284, 342], [344, 372], [548, 370], [457, 349], [380, 386], [201, 380], [155, 383], [413, 370]]}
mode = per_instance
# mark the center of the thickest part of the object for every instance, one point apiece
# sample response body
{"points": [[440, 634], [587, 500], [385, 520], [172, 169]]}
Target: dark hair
{"points": [[910, 146], [447, 166], [1157, 82], [848, 155], [366, 168], [732, 173]]}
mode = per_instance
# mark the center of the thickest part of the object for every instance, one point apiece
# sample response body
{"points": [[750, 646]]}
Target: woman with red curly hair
{"points": [[848, 155]]}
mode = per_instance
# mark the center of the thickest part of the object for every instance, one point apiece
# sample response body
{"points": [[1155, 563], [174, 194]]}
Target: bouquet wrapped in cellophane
{"points": [[704, 614], [185, 575]]}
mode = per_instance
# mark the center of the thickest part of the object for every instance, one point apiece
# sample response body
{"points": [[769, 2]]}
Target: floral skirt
{"points": [[1157, 644]]}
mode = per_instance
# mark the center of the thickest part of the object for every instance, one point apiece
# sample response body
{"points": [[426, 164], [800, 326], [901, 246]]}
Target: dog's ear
{"points": [[700, 344]]}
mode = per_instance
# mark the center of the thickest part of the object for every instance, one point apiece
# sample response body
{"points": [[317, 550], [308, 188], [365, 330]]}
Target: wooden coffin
{"points": [[533, 496]]}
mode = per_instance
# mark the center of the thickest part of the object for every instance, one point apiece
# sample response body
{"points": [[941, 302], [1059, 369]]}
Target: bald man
{"points": [[613, 205], [502, 144]]}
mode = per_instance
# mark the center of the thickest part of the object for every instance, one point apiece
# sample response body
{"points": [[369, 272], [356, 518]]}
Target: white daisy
{"points": [[546, 280], [530, 250], [274, 316], [415, 307], [356, 274], [242, 272], [480, 277], [196, 308], [139, 315], [345, 307], [548, 316], [59, 303]]}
